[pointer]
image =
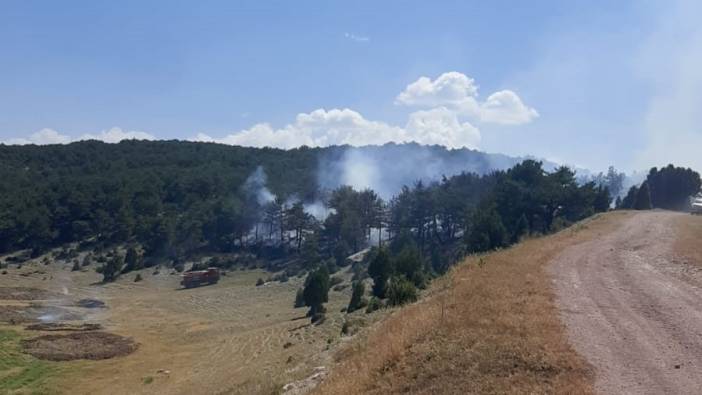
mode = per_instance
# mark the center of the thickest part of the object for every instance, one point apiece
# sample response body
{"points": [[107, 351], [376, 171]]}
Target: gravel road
{"points": [[631, 311]]}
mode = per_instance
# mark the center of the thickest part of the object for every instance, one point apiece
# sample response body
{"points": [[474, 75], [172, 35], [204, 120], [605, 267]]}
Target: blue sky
{"points": [[590, 83]]}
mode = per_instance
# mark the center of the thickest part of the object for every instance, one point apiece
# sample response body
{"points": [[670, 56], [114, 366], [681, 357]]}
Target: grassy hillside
{"points": [[489, 326]]}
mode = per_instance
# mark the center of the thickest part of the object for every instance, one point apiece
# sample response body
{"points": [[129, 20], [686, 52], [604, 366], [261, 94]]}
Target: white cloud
{"points": [[449, 89], [459, 93], [42, 137], [441, 126], [356, 38], [322, 127], [506, 107], [50, 136], [115, 135]]}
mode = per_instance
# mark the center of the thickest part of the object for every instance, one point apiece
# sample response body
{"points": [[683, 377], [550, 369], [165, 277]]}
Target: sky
{"points": [[585, 83]]}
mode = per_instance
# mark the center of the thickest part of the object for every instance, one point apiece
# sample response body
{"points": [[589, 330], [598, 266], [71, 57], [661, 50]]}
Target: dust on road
{"points": [[632, 309]]}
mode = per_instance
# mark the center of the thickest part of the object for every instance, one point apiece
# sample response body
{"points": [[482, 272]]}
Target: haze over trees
{"points": [[175, 197], [668, 188], [168, 201]]}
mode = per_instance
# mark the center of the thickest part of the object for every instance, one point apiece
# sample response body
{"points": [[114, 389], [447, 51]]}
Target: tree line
{"points": [[667, 188]]}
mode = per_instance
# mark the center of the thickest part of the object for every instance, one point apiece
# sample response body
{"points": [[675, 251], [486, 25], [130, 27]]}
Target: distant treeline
{"points": [[174, 199], [668, 188], [171, 196]]}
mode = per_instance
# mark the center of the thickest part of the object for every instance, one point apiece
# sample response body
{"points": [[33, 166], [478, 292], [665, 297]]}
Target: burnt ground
{"points": [[27, 293], [80, 345]]}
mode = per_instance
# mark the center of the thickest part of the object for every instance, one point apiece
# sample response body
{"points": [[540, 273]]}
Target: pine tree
{"points": [[316, 292], [131, 260], [380, 270], [643, 198], [356, 296], [522, 228], [111, 269]]}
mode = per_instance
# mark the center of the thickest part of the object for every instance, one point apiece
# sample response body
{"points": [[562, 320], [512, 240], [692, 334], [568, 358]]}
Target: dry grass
{"points": [[489, 326], [688, 232]]}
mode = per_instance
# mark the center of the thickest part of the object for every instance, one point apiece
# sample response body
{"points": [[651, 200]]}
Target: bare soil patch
{"points": [[81, 345], [63, 327], [26, 293]]}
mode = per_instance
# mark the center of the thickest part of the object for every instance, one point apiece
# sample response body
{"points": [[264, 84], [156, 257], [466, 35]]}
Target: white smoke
{"points": [[255, 185], [318, 210]]}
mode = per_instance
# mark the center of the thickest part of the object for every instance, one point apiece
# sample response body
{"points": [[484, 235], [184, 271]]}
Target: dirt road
{"points": [[632, 309]]}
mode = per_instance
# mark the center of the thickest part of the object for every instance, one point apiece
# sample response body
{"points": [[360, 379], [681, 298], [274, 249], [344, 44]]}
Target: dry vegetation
{"points": [[232, 337], [489, 326], [688, 237]]}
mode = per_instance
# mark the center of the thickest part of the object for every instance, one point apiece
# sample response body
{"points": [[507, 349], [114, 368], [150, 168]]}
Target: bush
{"points": [[373, 304], [356, 296], [380, 270], [138, 278], [282, 277], [76, 266], [112, 268], [401, 291], [643, 198], [87, 260], [316, 291], [260, 282]]}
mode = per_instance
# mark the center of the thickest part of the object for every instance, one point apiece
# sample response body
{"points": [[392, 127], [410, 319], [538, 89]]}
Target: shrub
{"points": [[316, 291], [282, 277], [356, 296], [112, 268], [380, 270], [401, 291], [132, 261], [76, 266], [643, 198], [373, 304], [87, 260], [260, 282], [138, 278]]}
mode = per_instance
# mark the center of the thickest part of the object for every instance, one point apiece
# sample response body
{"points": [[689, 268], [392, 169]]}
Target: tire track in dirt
{"points": [[629, 309]]}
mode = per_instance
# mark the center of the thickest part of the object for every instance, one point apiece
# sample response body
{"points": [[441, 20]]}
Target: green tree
{"points": [[132, 261], [522, 228], [380, 269], [410, 264], [111, 269], [487, 231], [643, 198], [356, 296], [316, 291], [310, 252]]}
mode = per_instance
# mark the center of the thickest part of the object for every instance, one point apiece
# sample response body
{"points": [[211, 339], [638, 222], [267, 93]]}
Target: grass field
{"points": [[21, 373], [232, 337]]}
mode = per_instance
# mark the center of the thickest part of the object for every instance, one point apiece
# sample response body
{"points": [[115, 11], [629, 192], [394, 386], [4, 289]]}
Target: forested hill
{"points": [[58, 193]]}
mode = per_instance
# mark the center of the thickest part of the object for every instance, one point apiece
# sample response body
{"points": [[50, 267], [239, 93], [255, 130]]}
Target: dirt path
{"points": [[631, 310]]}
